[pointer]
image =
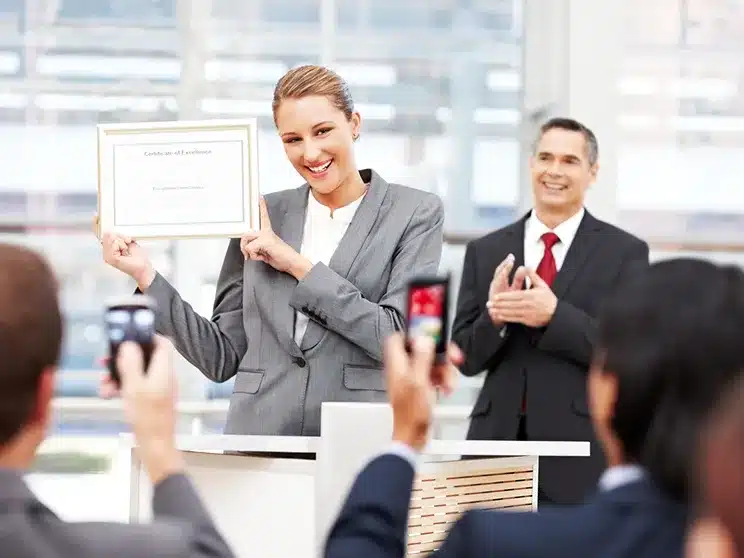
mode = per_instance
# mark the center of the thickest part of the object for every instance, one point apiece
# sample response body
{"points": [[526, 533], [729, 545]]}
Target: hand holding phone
{"points": [[427, 311], [129, 318]]}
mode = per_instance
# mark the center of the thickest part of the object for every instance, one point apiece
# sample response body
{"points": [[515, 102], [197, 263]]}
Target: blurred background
{"points": [[451, 94]]}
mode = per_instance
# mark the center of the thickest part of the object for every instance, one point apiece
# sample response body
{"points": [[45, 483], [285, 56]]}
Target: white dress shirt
{"points": [[534, 248], [620, 475], [321, 236]]}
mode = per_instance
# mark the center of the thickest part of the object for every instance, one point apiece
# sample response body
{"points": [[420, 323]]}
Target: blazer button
{"points": [[299, 361]]}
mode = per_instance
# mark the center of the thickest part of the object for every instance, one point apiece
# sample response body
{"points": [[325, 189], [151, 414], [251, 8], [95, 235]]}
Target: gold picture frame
{"points": [[179, 179]]}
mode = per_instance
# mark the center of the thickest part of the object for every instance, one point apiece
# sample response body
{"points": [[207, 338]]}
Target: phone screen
{"points": [[131, 321], [427, 312]]}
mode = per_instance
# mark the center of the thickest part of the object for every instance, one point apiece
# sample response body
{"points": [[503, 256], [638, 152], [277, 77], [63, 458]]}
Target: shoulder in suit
{"points": [[631, 521], [182, 527]]}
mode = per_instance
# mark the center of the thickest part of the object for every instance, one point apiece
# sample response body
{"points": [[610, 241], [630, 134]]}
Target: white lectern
{"points": [[284, 507]]}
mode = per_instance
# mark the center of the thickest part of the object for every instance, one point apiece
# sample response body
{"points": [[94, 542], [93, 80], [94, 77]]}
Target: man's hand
{"points": [[412, 381], [500, 283], [532, 307], [266, 246], [150, 406]]}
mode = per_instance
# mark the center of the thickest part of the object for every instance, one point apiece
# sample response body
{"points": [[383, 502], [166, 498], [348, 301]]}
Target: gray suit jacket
{"points": [[353, 304], [181, 529]]}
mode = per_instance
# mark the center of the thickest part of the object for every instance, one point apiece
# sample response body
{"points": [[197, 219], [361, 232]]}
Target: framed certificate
{"points": [[185, 179]]}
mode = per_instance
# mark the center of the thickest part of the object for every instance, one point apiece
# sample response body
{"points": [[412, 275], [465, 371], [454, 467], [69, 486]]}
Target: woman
{"points": [[303, 305]]}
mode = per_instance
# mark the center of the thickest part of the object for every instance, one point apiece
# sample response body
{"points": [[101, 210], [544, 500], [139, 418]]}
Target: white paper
{"points": [[178, 179], [179, 183]]}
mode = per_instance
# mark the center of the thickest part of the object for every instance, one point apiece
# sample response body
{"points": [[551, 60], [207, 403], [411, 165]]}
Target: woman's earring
{"points": [[355, 137]]}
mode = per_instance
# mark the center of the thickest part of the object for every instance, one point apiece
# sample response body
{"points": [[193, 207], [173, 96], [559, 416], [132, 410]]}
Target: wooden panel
{"points": [[438, 500]]}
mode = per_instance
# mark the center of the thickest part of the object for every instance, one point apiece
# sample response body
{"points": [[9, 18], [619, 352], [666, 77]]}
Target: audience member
{"points": [[30, 340]]}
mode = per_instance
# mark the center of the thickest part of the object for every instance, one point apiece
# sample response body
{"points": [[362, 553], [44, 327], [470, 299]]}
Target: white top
{"points": [[321, 236], [534, 248]]}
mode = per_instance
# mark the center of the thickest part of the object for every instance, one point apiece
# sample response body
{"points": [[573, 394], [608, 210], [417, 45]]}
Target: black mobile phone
{"points": [[129, 318], [427, 311]]}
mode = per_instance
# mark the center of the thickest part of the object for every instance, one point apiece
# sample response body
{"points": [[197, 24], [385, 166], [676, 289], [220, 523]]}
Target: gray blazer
{"points": [[181, 527], [353, 304]]}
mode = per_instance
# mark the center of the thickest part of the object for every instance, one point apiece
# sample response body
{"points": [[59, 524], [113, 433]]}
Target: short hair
{"points": [[672, 336], [571, 125], [309, 80], [30, 333]]}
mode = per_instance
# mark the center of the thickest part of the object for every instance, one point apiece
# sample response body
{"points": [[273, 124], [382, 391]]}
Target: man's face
{"points": [[561, 172]]}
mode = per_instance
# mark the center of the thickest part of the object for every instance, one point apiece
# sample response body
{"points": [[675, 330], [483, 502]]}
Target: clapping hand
{"points": [[532, 307], [500, 284], [265, 246]]}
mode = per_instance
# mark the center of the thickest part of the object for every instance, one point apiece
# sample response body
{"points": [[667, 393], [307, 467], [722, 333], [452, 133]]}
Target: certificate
{"points": [[178, 179]]}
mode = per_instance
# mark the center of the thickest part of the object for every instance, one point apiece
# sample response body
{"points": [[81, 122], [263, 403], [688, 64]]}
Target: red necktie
{"points": [[547, 268]]}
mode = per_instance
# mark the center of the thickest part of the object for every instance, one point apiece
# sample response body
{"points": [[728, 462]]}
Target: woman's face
{"points": [[318, 140]]}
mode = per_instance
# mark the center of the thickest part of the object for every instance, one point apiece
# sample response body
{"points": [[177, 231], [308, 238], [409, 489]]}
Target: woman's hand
{"points": [[265, 246], [124, 254]]}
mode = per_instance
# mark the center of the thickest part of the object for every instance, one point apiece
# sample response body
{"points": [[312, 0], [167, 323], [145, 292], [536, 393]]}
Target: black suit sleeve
{"points": [[374, 518], [460, 540], [472, 330], [571, 332]]}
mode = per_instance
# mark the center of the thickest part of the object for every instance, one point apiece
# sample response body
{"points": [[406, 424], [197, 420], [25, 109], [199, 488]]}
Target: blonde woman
{"points": [[304, 305]]}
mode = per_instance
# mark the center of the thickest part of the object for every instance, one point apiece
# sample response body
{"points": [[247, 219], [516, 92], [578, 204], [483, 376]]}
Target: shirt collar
{"points": [[566, 231], [620, 475], [342, 215]]}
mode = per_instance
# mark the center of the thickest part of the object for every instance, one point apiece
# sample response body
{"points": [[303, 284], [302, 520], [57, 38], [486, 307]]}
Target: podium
{"points": [[284, 506]]}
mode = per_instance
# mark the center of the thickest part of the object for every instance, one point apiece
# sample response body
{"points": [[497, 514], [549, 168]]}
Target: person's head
{"points": [[563, 165], [721, 478], [30, 342], [317, 123], [669, 342]]}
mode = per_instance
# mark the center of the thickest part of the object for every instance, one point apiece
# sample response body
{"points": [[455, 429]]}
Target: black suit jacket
{"points": [[550, 363], [632, 521]]}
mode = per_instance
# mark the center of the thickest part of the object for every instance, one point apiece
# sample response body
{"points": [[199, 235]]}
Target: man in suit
{"points": [[30, 340], [668, 345], [535, 343]]}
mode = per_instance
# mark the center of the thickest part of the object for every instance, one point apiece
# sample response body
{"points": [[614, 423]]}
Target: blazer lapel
{"points": [[515, 233], [583, 245], [291, 224], [351, 243]]}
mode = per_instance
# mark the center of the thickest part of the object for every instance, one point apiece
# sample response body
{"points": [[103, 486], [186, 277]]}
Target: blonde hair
{"points": [[304, 81]]}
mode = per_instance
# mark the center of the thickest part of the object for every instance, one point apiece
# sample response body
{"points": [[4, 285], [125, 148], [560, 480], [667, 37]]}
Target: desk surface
{"points": [[229, 442], [303, 444]]}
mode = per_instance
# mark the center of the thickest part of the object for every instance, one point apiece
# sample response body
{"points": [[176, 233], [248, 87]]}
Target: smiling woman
{"points": [[314, 114], [303, 306]]}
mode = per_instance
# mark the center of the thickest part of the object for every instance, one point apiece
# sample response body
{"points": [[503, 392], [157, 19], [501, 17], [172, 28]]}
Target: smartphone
{"points": [[427, 311], [130, 318]]}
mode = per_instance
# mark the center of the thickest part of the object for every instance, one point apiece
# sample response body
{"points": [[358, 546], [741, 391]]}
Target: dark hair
{"points": [[672, 336], [30, 333], [304, 81], [571, 125]]}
